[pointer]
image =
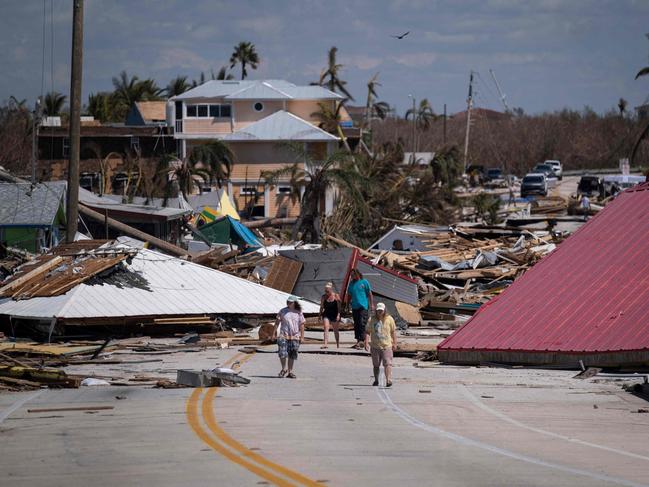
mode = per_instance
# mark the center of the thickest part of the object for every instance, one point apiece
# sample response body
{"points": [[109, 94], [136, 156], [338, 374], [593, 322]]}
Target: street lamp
{"points": [[414, 127]]}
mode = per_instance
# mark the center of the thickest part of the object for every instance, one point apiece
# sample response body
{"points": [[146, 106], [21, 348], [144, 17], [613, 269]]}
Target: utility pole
{"points": [[414, 128], [469, 105], [503, 98], [444, 124], [72, 209]]}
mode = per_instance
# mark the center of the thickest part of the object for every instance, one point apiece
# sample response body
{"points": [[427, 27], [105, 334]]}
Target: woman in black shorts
{"points": [[330, 313]]}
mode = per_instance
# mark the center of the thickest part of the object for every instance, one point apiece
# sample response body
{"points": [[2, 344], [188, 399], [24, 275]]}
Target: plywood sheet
{"points": [[283, 274]]}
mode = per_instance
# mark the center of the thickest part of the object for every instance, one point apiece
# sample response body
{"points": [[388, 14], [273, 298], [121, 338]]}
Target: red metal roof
{"points": [[591, 295]]}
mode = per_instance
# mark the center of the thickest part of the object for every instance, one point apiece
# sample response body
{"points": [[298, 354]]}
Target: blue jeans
{"points": [[360, 316]]}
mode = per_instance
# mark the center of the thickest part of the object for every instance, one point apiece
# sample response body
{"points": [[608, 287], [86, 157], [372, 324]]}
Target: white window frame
{"points": [[247, 191], [286, 192], [208, 105]]}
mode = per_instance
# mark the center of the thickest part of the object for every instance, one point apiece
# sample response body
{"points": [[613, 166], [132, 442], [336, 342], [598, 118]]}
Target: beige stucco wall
{"points": [[306, 108], [275, 202], [244, 113], [206, 126]]}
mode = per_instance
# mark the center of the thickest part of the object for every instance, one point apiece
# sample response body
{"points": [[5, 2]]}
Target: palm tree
{"points": [[179, 175], [330, 77], [424, 114], [621, 106], [53, 104], [130, 90], [215, 158], [372, 107], [246, 55], [223, 74], [329, 120], [313, 181], [177, 86], [100, 106]]}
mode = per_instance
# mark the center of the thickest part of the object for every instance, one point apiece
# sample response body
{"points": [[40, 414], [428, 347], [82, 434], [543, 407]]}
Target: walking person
{"points": [[289, 332], [381, 341], [359, 293], [330, 313], [585, 206]]}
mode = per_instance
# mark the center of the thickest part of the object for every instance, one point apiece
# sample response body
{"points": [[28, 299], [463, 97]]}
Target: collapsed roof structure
{"points": [[109, 283], [587, 301]]}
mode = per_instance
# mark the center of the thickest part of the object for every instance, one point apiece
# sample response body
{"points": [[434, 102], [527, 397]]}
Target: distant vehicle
{"points": [[590, 185], [546, 169], [558, 168], [534, 183], [494, 173]]}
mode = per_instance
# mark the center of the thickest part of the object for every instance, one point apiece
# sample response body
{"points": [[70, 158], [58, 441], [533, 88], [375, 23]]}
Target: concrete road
{"points": [[438, 426]]}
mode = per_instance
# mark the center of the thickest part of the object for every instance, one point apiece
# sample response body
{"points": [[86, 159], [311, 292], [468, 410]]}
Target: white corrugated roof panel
{"points": [[156, 284], [272, 89], [281, 125]]}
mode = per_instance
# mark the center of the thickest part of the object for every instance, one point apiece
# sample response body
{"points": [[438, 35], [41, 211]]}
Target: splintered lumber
{"points": [[133, 232], [52, 377], [21, 383], [39, 271], [270, 222], [266, 332]]}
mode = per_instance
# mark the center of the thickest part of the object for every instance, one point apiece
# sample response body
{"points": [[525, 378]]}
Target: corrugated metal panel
{"points": [[320, 267], [389, 284], [280, 125], [171, 287], [591, 295]]}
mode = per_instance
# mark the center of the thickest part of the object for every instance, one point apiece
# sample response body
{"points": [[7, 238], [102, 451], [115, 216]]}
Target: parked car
{"points": [[534, 183], [590, 185], [494, 173], [546, 169], [558, 168]]}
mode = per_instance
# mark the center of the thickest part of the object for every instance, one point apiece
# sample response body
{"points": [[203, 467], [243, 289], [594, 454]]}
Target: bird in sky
{"points": [[401, 36]]}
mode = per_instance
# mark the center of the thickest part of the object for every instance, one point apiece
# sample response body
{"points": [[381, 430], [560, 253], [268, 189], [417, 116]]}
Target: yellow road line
{"points": [[247, 455], [210, 421], [193, 418]]}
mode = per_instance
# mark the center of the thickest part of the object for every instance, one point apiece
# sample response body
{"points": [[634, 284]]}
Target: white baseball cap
{"points": [[380, 306]]}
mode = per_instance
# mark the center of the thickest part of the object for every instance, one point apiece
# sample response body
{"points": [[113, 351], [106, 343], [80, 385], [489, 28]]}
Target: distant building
{"points": [[642, 111], [32, 217], [112, 146], [258, 120], [147, 113]]}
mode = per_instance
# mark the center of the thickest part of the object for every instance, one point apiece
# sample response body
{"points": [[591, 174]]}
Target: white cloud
{"points": [[360, 61], [415, 59], [433, 36]]}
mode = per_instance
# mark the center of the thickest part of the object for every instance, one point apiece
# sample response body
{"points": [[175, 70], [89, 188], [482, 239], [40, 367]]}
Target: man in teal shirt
{"points": [[359, 293]]}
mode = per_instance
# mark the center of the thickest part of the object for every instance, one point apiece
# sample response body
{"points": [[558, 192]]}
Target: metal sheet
{"points": [[591, 295], [158, 285]]}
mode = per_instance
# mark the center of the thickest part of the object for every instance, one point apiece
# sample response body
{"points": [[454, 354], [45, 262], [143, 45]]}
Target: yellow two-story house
{"points": [[256, 119]]}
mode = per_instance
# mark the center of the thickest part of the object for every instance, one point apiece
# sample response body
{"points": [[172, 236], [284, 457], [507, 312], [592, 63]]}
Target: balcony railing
{"points": [[179, 127]]}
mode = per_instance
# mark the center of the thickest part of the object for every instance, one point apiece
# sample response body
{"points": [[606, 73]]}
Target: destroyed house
{"points": [[106, 283], [587, 302]]}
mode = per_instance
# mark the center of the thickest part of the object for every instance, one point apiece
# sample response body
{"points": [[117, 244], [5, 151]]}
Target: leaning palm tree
{"points": [[216, 159], [329, 119], [177, 86], [330, 77], [313, 181], [424, 114], [53, 104], [245, 54], [372, 107]]}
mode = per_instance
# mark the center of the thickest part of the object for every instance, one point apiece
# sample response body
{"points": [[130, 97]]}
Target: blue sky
{"points": [[547, 54]]}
